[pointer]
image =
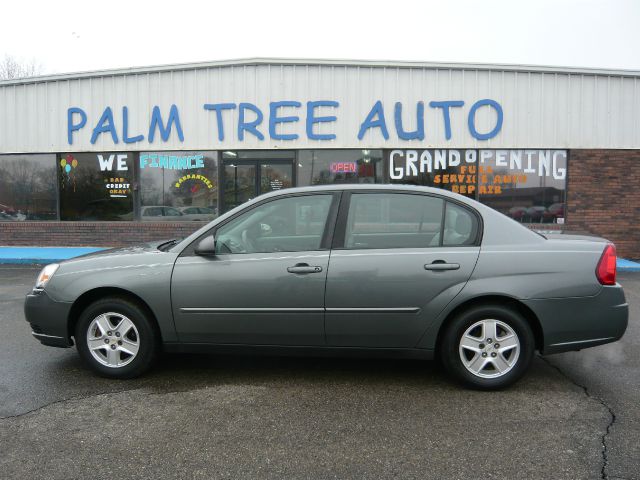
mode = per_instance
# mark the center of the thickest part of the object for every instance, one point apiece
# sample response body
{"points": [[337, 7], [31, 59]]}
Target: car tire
{"points": [[116, 338], [487, 347]]}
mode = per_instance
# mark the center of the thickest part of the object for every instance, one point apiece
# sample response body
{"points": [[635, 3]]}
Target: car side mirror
{"points": [[206, 247]]}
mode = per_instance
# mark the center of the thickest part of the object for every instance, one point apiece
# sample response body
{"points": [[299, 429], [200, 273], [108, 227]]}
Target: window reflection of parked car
{"points": [[9, 214], [198, 213], [556, 210], [5, 217], [535, 213], [517, 213], [161, 213]]}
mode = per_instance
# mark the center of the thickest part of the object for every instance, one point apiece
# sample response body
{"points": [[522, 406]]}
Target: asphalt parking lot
{"points": [[574, 416]]}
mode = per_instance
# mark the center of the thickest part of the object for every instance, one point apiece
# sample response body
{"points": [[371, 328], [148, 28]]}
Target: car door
{"points": [[265, 285], [398, 259]]}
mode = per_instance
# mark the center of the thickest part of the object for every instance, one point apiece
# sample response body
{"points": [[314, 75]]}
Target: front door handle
{"points": [[441, 265], [304, 268]]}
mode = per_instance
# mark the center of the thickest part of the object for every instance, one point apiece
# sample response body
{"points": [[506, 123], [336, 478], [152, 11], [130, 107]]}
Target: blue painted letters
{"points": [[105, 124], [274, 119], [125, 128], [376, 111], [72, 127], [472, 119], [156, 123], [218, 108], [251, 118], [445, 112], [418, 133], [251, 127], [312, 119]]}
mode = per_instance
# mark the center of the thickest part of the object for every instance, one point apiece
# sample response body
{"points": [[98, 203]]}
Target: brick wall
{"points": [[95, 234], [603, 197]]}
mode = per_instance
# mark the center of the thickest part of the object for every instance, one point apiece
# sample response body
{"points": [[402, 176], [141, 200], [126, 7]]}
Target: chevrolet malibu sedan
{"points": [[388, 270]]}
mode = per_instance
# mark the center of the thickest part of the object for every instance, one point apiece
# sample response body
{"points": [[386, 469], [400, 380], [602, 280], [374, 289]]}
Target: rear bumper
{"points": [[582, 322], [48, 319]]}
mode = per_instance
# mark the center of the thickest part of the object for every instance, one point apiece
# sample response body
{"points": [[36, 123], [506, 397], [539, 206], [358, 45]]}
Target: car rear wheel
{"points": [[116, 338], [487, 347]]}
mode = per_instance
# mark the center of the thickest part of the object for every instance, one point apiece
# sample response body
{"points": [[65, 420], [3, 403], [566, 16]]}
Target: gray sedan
{"points": [[355, 269]]}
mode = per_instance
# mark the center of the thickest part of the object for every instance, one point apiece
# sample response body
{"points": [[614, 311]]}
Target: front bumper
{"points": [[582, 322], [48, 319]]}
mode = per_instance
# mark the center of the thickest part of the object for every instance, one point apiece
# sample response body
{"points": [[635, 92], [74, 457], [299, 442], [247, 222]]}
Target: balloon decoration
{"points": [[68, 163]]}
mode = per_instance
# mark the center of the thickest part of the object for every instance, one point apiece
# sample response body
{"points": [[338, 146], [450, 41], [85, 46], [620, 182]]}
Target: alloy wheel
{"points": [[489, 348], [113, 340]]}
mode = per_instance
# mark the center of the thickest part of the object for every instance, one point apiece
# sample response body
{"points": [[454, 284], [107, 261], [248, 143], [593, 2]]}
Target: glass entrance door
{"points": [[246, 179], [239, 184]]}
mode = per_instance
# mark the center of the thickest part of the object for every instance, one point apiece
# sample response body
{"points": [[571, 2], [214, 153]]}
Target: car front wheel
{"points": [[116, 338], [487, 347]]}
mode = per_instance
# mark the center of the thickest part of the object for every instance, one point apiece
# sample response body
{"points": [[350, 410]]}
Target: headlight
{"points": [[46, 274]]}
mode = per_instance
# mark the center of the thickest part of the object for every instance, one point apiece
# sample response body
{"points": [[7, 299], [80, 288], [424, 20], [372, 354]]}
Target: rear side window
{"points": [[460, 226], [393, 220]]}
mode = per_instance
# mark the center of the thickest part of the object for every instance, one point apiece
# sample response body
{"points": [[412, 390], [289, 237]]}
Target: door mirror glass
{"points": [[206, 247]]}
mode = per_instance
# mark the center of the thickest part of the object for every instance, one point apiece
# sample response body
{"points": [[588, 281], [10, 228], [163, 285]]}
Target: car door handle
{"points": [[304, 268], [440, 265]]}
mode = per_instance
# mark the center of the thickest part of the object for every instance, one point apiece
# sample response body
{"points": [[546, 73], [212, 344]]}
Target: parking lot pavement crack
{"points": [[612, 419], [61, 401], [142, 391]]}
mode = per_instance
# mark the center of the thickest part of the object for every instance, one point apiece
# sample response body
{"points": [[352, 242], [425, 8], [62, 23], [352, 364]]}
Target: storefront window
{"points": [[526, 185], [453, 170], [96, 186], [321, 167], [178, 186], [28, 188]]}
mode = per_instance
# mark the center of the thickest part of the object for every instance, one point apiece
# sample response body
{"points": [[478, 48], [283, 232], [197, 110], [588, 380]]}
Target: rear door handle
{"points": [[440, 265], [304, 268]]}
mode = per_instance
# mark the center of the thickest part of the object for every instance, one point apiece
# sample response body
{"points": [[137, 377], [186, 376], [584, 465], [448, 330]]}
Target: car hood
{"points": [[149, 247]]}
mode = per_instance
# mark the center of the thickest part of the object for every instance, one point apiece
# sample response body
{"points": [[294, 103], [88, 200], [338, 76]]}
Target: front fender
{"points": [[146, 276]]}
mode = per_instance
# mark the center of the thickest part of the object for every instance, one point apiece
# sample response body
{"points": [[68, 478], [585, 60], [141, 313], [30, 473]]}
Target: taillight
{"points": [[606, 269]]}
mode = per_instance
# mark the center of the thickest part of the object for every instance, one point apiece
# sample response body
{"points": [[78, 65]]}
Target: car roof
{"points": [[372, 187], [367, 186]]}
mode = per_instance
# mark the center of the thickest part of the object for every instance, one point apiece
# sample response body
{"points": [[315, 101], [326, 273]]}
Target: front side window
{"points": [[393, 220], [292, 224]]}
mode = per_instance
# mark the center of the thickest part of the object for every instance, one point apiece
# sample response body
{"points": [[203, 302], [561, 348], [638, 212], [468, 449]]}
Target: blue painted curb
{"points": [[41, 255], [624, 265]]}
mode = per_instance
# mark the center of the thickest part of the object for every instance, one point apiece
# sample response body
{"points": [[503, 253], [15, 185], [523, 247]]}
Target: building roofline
{"points": [[319, 62]]}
